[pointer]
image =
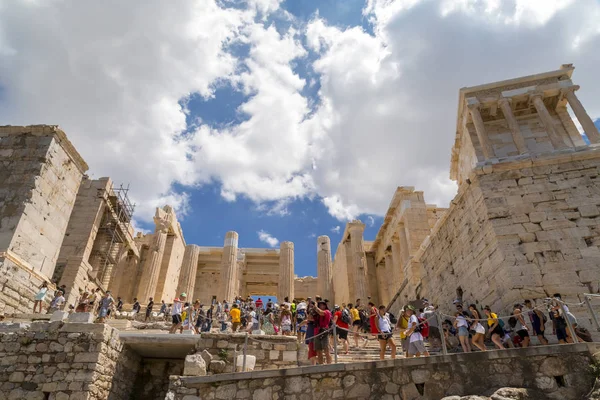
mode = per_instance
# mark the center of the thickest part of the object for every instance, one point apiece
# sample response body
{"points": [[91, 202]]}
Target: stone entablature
{"points": [[428, 378]]}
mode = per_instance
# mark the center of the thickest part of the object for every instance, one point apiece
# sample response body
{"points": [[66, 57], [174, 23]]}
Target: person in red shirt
{"points": [[339, 322], [321, 342], [259, 304]]}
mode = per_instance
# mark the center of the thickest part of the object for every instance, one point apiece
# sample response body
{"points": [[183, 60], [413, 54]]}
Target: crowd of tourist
{"points": [[315, 321]]}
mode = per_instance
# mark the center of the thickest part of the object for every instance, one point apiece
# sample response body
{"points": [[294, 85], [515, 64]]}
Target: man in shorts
{"points": [[402, 326], [176, 312], [356, 322], [340, 318], [321, 342], [537, 322], [105, 303], [416, 345], [521, 327], [236, 319]]}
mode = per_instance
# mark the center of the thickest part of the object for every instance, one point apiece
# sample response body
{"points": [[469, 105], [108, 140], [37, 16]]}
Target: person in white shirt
{"points": [[385, 336], [416, 345], [176, 312], [253, 321], [461, 324]]}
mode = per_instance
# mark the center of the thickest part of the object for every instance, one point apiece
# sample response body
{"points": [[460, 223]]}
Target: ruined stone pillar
{"points": [[392, 271], [227, 285], [582, 116], [350, 273], [324, 268], [515, 130], [397, 266], [189, 267], [486, 147], [359, 262], [151, 267], [286, 271], [555, 138]]}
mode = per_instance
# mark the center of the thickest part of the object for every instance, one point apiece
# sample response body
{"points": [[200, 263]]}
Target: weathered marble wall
{"points": [[56, 360], [562, 372]]}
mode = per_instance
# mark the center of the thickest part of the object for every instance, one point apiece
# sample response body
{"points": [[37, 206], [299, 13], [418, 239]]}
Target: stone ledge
{"points": [[591, 348]]}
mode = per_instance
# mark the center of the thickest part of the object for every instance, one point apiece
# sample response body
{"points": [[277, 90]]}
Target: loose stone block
{"points": [[194, 365], [81, 317]]}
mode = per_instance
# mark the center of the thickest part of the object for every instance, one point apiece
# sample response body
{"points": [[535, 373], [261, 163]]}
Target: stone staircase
{"points": [[368, 352]]}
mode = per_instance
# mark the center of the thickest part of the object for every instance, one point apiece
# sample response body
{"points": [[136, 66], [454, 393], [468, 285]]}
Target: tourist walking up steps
{"points": [[39, 297], [322, 341], [537, 319], [176, 312], [356, 322], [402, 326], [104, 306], [416, 345], [149, 308], [462, 326], [479, 335], [495, 331], [341, 318], [236, 317], [521, 327], [385, 335]]}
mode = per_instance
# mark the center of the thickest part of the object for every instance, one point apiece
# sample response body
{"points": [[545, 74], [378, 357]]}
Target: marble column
{"points": [[555, 138], [151, 267], [349, 260], [397, 266], [286, 271], [227, 280], [324, 268], [584, 119], [486, 147], [189, 267], [513, 125], [359, 262]]}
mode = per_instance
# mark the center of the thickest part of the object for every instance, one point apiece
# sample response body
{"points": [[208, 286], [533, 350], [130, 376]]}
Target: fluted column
{"points": [[286, 271], [584, 119], [324, 268], [189, 266], [486, 147], [359, 262], [151, 267], [513, 125], [227, 281], [556, 140]]}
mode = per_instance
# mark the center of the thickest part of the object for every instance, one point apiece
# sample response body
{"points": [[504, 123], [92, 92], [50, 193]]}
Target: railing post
{"points": [[592, 313], [245, 349], [568, 321], [443, 336], [335, 358]]}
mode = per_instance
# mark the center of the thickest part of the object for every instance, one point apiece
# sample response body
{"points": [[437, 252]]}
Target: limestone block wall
{"points": [[152, 381], [547, 222], [430, 378], [306, 286], [206, 286], [52, 360], [271, 352], [39, 179], [461, 252], [18, 287]]}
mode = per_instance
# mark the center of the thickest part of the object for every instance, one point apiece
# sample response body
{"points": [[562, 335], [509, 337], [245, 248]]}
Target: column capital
{"points": [[535, 95], [504, 100], [286, 245], [569, 89], [356, 225]]}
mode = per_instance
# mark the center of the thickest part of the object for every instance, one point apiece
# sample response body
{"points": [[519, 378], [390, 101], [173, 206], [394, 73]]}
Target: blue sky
{"points": [[287, 117]]}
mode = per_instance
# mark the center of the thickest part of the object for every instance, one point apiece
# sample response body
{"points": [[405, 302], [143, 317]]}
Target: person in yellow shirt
{"points": [[402, 325], [356, 323], [236, 320]]}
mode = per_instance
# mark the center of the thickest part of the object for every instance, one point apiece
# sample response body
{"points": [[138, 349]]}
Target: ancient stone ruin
{"points": [[525, 223]]}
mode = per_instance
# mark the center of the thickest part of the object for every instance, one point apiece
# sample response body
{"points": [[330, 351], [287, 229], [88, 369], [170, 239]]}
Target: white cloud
{"points": [[312, 235], [336, 229], [387, 101], [267, 238], [370, 221]]}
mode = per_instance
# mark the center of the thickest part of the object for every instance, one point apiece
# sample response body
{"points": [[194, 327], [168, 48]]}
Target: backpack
{"points": [[393, 318], [346, 317], [423, 327], [501, 323]]}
